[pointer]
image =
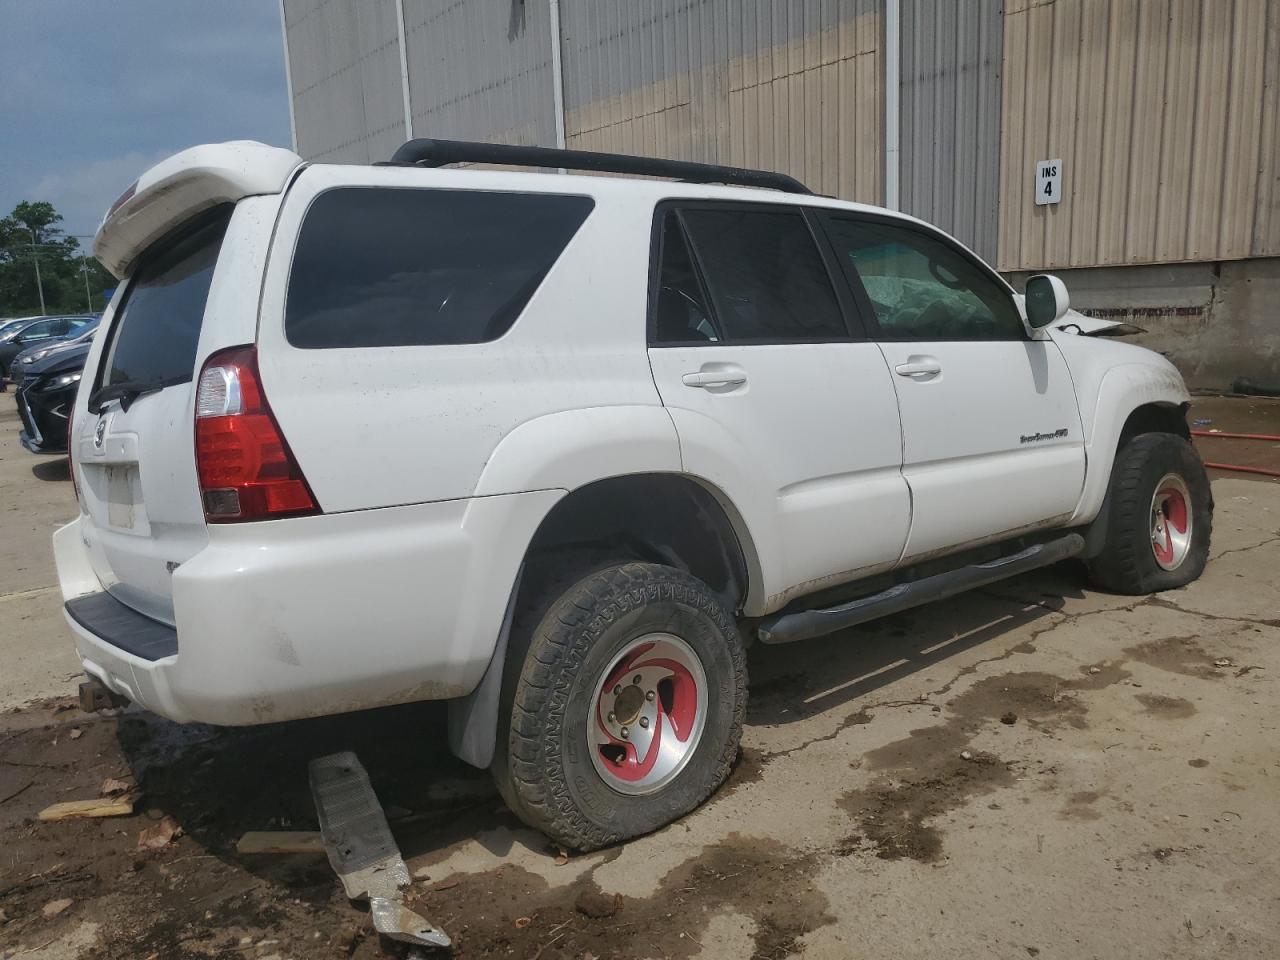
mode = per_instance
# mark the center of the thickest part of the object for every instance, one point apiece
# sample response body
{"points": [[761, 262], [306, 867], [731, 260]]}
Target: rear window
{"points": [[155, 334], [378, 267]]}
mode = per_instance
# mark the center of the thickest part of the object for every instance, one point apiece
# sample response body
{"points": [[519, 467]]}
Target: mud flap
{"points": [[473, 719], [361, 849]]}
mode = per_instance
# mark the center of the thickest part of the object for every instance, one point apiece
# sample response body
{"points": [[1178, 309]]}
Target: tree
{"points": [[32, 234]]}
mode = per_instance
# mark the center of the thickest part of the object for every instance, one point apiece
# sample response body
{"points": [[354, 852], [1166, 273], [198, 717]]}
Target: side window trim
{"points": [[656, 261], [850, 311], [859, 291]]}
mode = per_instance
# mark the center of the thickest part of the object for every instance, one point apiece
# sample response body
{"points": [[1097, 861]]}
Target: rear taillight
{"points": [[245, 467]]}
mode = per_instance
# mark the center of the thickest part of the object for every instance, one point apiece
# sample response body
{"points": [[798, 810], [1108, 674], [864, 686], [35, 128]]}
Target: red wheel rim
{"points": [[1171, 521], [647, 714]]}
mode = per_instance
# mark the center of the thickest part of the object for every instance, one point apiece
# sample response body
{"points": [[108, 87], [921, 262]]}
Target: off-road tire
{"points": [[1127, 563], [570, 632]]}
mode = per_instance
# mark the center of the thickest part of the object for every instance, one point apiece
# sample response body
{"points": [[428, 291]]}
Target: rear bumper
{"points": [[315, 615]]}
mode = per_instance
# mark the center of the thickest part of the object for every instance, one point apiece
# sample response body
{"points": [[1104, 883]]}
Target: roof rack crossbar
{"points": [[438, 153]]}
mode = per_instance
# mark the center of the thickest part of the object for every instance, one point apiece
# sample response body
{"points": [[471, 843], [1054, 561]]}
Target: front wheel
{"points": [[1160, 517], [628, 709]]}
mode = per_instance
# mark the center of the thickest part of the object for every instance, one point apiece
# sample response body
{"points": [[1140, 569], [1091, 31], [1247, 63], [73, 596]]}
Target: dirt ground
{"points": [[1033, 770]]}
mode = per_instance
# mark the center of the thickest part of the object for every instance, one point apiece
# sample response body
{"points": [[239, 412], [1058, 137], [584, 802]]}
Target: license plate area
{"points": [[123, 495], [114, 497]]}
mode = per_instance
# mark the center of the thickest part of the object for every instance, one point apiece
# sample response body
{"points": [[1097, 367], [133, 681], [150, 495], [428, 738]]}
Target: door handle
{"points": [[919, 367], [714, 378]]}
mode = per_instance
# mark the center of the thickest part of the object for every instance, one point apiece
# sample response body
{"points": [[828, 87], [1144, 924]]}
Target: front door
{"points": [[992, 439], [774, 399]]}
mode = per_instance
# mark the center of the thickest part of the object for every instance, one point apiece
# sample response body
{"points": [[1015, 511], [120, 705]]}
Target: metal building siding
{"points": [[792, 85], [344, 61], [1164, 113], [480, 70], [951, 96]]}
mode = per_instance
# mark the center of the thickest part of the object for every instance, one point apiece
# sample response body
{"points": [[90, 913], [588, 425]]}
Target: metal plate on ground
{"points": [[357, 838]]}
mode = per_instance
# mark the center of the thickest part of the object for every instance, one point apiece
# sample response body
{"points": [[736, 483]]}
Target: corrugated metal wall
{"points": [[481, 70], [951, 94], [791, 85], [344, 63], [1164, 113]]}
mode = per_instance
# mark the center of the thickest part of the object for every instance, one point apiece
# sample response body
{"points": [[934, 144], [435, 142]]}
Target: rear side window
{"points": [[155, 334], [766, 278], [378, 267], [681, 311]]}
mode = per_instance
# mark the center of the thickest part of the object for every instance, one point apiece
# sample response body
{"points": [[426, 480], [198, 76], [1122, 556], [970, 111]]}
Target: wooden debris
{"points": [[111, 787], [160, 835], [120, 806], [280, 841], [54, 907]]}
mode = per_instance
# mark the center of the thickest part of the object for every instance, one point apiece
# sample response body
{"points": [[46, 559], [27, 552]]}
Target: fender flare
{"points": [[571, 448], [1121, 391], [564, 452]]}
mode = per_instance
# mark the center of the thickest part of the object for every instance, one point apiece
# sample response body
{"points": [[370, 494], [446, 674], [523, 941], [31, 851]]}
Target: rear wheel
{"points": [[628, 710], [1160, 517]]}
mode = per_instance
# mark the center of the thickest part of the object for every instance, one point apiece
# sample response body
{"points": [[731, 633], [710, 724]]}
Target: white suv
{"points": [[557, 448]]}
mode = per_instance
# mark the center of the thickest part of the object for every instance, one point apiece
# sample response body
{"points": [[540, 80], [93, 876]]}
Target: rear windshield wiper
{"points": [[126, 392]]}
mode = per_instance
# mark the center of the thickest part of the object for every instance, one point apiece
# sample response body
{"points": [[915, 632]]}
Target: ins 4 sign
{"points": [[1048, 182]]}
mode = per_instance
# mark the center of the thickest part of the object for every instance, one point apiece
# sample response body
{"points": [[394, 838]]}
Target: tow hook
{"points": [[95, 696]]}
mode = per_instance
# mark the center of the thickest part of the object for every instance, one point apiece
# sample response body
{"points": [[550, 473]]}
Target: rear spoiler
{"points": [[176, 189]]}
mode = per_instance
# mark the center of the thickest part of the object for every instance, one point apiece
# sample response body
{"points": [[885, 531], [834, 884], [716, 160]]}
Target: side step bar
{"points": [[805, 624]]}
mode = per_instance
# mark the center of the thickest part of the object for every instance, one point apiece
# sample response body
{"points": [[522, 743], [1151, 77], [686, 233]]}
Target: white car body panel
{"points": [[434, 466], [973, 476], [166, 525], [411, 587], [817, 424], [558, 357], [1112, 379]]}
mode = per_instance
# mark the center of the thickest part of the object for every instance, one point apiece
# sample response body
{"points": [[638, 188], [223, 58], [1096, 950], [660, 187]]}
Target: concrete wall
{"points": [[1216, 321]]}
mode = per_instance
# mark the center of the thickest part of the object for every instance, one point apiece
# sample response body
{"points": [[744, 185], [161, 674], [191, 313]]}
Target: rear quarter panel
{"points": [[378, 426]]}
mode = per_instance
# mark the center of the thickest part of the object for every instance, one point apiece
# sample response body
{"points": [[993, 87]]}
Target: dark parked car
{"points": [[46, 396], [37, 352], [17, 337]]}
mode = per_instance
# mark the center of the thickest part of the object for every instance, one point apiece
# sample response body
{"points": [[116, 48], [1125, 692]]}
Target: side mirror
{"points": [[1047, 300]]}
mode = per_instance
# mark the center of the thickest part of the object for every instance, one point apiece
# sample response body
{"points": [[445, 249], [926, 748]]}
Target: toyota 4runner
{"points": [[556, 448]]}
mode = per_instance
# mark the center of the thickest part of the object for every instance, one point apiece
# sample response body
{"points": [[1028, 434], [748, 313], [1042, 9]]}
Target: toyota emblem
{"points": [[98, 434]]}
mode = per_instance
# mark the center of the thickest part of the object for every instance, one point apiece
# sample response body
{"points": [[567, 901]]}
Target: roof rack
{"points": [[438, 153]]}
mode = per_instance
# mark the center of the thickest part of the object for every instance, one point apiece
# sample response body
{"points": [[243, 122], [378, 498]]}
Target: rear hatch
{"points": [[135, 467], [185, 293]]}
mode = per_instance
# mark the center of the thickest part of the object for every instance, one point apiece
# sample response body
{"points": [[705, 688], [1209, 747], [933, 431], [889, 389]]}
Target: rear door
{"points": [[777, 397], [134, 459], [992, 439]]}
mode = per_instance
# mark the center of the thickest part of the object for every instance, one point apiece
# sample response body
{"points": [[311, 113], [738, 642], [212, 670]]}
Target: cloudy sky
{"points": [[94, 91]]}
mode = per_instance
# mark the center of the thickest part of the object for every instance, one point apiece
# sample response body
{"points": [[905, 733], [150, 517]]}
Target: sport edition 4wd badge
{"points": [[1038, 437]]}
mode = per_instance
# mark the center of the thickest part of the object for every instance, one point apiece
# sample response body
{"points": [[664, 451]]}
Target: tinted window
{"points": [[156, 332], [765, 275], [681, 314], [922, 288], [36, 331], [383, 268]]}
